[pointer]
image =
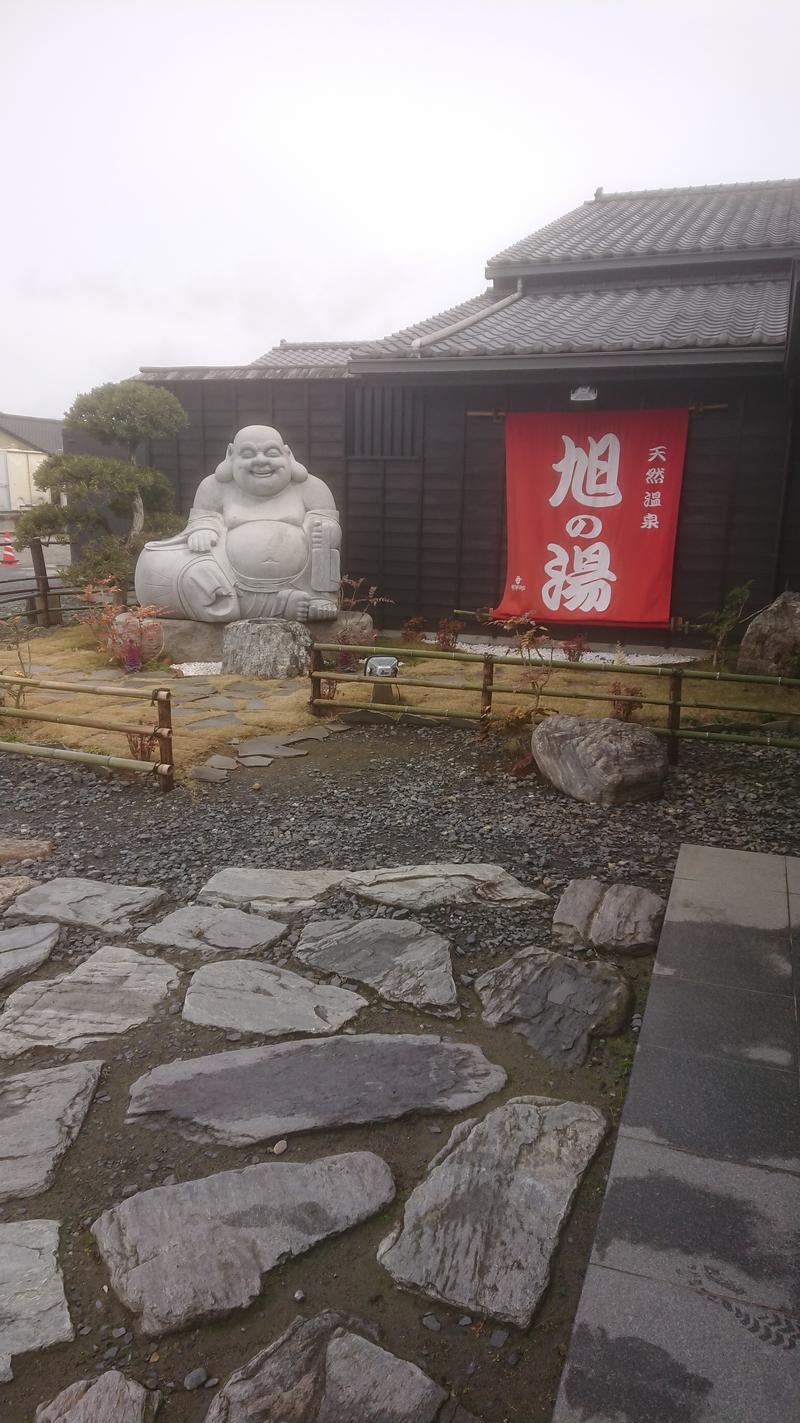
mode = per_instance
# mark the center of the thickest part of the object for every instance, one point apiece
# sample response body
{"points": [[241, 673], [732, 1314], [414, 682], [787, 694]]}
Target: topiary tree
{"points": [[90, 492]]}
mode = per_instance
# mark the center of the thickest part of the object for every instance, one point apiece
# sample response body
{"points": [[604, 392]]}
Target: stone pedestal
{"points": [[269, 649], [357, 628], [188, 641]]}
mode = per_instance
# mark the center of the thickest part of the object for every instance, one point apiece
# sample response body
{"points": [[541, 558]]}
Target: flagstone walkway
{"points": [[690, 1312]]}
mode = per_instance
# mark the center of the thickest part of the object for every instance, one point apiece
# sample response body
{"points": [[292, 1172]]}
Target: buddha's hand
{"points": [[202, 540]]}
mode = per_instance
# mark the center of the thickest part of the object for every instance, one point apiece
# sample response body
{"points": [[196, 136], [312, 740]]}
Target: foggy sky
{"points": [[187, 181]]}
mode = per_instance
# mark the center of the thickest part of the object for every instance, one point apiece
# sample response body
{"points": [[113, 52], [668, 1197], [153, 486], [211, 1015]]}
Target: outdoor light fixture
{"points": [[381, 667], [583, 392]]}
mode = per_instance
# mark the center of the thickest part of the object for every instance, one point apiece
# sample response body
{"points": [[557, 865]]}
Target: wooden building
{"points": [[686, 297]]}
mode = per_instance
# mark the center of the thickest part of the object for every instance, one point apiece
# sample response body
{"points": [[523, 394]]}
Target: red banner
{"points": [[593, 502]]}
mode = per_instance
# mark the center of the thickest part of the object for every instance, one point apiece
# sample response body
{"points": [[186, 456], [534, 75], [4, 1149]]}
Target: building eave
{"points": [[707, 263], [586, 362]]}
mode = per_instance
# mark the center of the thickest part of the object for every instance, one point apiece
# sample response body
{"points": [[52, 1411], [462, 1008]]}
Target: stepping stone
{"points": [[399, 958], [255, 760], [13, 885], [222, 763], [307, 733], [263, 891], [110, 1399], [24, 948], [430, 886], [329, 1369], [12, 849], [207, 929], [613, 919], [267, 746], [225, 720], [260, 998], [93, 904], [556, 1002], [41, 1113], [195, 1251], [479, 1232], [254, 1094], [33, 1307], [113, 990], [207, 773]]}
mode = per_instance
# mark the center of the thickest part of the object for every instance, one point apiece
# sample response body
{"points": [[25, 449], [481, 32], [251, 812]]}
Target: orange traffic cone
{"points": [[9, 555]]}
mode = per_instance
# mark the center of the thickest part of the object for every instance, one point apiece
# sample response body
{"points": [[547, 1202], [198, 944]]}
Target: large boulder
{"points": [[274, 648], [600, 759], [612, 919], [771, 645]]}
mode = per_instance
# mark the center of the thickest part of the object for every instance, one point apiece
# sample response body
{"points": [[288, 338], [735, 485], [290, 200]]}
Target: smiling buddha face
{"points": [[261, 464]]}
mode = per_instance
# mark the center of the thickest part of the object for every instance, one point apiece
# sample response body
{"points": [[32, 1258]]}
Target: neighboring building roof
{"points": [[734, 218], [39, 433], [704, 273]]}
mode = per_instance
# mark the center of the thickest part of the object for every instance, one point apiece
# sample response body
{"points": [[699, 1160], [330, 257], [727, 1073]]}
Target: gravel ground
{"points": [[376, 796]]}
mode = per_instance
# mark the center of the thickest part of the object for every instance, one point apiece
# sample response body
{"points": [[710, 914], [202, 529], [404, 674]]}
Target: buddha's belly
{"points": [[266, 548]]}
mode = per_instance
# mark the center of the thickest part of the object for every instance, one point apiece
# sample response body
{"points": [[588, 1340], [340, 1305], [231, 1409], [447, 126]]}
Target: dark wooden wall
{"points": [[418, 475]]}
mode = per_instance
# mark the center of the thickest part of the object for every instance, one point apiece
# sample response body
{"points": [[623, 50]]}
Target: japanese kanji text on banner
{"points": [[593, 504]]}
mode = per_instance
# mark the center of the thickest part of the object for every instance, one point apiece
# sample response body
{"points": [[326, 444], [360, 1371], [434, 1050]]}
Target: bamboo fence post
{"points": [[674, 715], [486, 690], [317, 668], [166, 768]]}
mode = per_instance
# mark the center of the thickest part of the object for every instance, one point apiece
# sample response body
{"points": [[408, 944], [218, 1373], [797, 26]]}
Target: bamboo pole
{"points": [[166, 773], [398, 709], [743, 740], [613, 669], [89, 758], [505, 691], [35, 715], [9, 679]]}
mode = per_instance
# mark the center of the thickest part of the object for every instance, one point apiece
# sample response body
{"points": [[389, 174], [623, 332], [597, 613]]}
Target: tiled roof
{"points": [[314, 353], [672, 315], [738, 217], [35, 430]]}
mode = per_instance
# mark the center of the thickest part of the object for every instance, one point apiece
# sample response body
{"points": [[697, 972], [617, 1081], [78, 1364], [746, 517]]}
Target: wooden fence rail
{"points": [[488, 689], [159, 698]]}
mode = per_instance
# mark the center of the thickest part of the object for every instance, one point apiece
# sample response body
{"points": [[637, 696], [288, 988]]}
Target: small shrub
{"points": [[358, 595], [140, 639], [413, 629], [142, 744], [621, 708], [345, 661], [448, 633], [719, 625], [574, 648]]}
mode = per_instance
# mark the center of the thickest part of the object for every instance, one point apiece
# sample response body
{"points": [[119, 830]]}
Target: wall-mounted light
{"points": [[583, 392]]}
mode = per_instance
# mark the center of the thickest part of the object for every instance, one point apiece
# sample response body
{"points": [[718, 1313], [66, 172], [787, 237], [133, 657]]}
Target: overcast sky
{"points": [[188, 181]]}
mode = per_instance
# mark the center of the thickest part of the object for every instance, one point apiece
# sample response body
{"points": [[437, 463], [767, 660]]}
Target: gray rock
{"points": [[197, 1250], [556, 1002], [479, 1232], [261, 998], [771, 644], [208, 929], [265, 890], [358, 628], [33, 1308], [423, 887], [612, 919], [110, 1399], [329, 1370], [208, 773], [254, 1094], [576, 909], [91, 903], [188, 641], [24, 948], [195, 1379], [600, 759], [271, 746], [628, 921], [113, 990], [498, 1338], [399, 958], [267, 649], [41, 1113]]}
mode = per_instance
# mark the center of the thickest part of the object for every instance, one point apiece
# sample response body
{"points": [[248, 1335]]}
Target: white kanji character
{"points": [[658, 452], [584, 526], [652, 500], [585, 586], [593, 476], [650, 521], [655, 476]]}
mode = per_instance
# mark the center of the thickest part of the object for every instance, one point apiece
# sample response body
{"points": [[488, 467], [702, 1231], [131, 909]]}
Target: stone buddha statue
{"points": [[262, 541]]}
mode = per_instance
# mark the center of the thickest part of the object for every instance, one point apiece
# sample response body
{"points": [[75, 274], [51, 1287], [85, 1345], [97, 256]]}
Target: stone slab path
{"points": [[254, 1094], [260, 998], [91, 903], [114, 990], [24, 948], [479, 1231], [399, 958], [33, 1307], [195, 1251], [110, 1399], [41, 1113], [691, 1305], [206, 929]]}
